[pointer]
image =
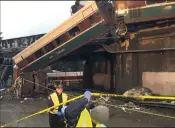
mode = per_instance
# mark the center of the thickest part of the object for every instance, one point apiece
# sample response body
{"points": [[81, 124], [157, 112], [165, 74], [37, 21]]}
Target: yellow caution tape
{"points": [[136, 97], [42, 111], [149, 113], [93, 94], [122, 96]]}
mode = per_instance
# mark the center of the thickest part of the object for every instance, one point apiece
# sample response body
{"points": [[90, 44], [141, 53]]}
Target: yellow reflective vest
{"points": [[55, 100], [85, 119]]}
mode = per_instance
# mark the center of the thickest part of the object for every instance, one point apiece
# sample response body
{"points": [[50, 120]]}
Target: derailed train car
{"points": [[85, 25], [78, 30]]}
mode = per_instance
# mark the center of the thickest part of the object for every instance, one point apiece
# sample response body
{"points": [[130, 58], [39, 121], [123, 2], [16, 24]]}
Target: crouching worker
{"points": [[56, 119], [77, 115]]}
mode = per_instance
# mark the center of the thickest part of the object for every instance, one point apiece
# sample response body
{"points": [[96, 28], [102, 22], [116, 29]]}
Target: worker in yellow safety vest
{"points": [[56, 119], [77, 115]]}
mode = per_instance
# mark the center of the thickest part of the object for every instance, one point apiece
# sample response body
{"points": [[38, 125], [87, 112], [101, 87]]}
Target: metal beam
{"points": [[21, 42]]}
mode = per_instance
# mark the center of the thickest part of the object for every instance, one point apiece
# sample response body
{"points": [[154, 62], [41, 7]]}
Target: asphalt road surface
{"points": [[13, 109]]}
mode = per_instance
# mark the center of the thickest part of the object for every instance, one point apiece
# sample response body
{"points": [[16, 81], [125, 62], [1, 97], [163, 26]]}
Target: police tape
{"points": [[136, 97], [42, 111], [121, 96], [45, 87], [93, 94]]}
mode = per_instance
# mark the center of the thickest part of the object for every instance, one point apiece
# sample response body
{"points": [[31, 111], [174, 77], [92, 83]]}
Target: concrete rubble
{"points": [[172, 102], [124, 109], [25, 98], [138, 92], [130, 105]]}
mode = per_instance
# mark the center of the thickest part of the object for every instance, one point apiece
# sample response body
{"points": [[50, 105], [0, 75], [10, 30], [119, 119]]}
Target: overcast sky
{"points": [[24, 18]]}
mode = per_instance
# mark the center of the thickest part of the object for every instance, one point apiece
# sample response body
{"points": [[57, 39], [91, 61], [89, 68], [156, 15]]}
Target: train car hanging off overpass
{"points": [[82, 27], [87, 24]]}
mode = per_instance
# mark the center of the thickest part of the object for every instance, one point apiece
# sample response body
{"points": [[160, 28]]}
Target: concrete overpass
{"points": [[8, 49]]}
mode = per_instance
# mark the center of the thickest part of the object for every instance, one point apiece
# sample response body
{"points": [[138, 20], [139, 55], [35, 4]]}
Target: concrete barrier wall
{"points": [[102, 80], [162, 83]]}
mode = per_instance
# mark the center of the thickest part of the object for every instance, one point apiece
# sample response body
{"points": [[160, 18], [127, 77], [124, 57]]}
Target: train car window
{"points": [[85, 24], [30, 58], [149, 2], [91, 19], [74, 31], [49, 47], [58, 41], [97, 17], [22, 63], [98, 14], [65, 37], [39, 53]]}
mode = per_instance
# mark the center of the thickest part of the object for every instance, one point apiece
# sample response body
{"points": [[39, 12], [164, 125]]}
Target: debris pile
{"points": [[168, 102], [138, 92], [131, 105], [172, 102]]}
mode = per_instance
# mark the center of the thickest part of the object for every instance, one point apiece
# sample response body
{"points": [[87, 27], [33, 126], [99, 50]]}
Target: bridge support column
{"points": [[112, 73], [88, 74], [118, 73], [16, 74]]}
